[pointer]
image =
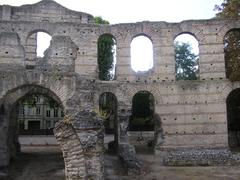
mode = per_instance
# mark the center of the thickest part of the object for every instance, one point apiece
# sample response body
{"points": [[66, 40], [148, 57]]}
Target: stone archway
{"points": [[233, 117], [108, 108], [8, 122], [141, 122]]}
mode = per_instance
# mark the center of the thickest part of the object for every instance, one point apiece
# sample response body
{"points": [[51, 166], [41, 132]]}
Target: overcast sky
{"points": [[124, 11]]}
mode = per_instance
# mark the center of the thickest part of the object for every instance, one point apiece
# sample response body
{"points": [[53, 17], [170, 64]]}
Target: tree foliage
{"points": [[100, 20], [106, 52], [232, 55], [142, 104], [186, 62], [108, 110], [230, 9], [142, 111]]}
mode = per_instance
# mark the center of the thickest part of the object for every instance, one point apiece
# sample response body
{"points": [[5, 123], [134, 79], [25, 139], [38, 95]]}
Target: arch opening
{"points": [[233, 119], [108, 107], [186, 57], [37, 43], [106, 57], [26, 134], [141, 122], [141, 54], [232, 54]]}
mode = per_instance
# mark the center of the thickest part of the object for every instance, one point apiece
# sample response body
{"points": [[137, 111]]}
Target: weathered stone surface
{"points": [[202, 157], [193, 113], [82, 151], [72, 151], [127, 155], [87, 119], [158, 133]]}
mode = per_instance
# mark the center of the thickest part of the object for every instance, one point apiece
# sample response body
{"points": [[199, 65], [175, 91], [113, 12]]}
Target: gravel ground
{"points": [[46, 163]]}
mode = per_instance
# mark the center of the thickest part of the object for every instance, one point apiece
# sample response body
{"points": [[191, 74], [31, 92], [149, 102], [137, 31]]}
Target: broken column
{"points": [[81, 138], [126, 151], [72, 150], [90, 129], [158, 133]]}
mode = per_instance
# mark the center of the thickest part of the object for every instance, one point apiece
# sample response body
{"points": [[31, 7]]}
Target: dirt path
{"points": [[42, 163]]}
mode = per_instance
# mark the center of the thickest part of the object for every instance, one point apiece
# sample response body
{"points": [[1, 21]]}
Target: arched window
{"points": [[142, 112], [232, 54], [233, 119], [186, 57], [141, 53], [106, 57], [108, 109], [43, 42], [36, 45]]}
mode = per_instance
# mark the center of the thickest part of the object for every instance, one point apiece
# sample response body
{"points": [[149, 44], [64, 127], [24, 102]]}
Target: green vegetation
{"points": [[142, 111], [230, 9], [106, 53], [186, 62], [99, 20]]}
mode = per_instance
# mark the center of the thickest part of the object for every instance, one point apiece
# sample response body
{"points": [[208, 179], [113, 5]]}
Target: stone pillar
{"points": [[126, 151], [90, 129], [158, 133], [123, 122], [72, 151], [81, 138]]}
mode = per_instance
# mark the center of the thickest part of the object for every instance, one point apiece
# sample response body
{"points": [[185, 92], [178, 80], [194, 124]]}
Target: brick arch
{"points": [[115, 97], [135, 90], [187, 32], [143, 91], [228, 88], [142, 34], [225, 29], [36, 31], [8, 114], [107, 34], [196, 33], [14, 95]]}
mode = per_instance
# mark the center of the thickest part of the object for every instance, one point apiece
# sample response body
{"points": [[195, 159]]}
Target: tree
{"points": [[106, 52], [232, 55], [142, 111], [186, 62], [100, 20], [230, 9]]}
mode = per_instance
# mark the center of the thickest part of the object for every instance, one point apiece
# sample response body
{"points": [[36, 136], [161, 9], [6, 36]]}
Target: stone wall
{"points": [[193, 113]]}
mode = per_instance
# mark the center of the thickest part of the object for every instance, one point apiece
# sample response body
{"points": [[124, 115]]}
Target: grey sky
{"points": [[124, 11]]}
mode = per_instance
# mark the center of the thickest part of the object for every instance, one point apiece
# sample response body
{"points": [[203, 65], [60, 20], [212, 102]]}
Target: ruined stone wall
{"points": [[193, 113]]}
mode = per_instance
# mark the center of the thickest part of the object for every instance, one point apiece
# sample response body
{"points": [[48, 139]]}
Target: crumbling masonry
{"points": [[193, 114]]}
